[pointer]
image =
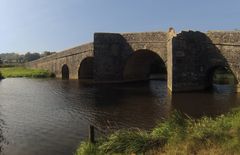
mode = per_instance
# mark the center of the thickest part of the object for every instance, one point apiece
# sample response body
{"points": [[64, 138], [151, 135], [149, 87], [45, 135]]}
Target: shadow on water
{"points": [[144, 104], [128, 105], [219, 100]]}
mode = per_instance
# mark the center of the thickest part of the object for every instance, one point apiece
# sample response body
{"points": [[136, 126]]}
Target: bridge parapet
{"points": [[230, 38], [71, 57], [65, 53], [145, 37]]}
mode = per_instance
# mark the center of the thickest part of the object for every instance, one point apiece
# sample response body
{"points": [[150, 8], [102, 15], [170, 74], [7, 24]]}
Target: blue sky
{"points": [[38, 25]]}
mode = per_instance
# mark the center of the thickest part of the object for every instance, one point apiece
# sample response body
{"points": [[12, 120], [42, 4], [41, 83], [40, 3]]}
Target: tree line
{"points": [[15, 58]]}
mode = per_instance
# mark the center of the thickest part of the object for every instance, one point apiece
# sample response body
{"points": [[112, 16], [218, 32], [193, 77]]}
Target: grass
{"points": [[13, 72], [179, 134]]}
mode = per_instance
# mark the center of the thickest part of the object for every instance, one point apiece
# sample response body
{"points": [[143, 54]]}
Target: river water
{"points": [[51, 117]]}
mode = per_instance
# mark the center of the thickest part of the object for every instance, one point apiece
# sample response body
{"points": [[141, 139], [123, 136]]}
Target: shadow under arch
{"points": [[144, 64], [85, 70], [219, 74], [65, 72]]}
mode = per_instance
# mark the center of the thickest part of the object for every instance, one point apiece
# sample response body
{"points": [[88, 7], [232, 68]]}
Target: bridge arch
{"points": [[85, 70], [65, 71], [144, 65], [219, 74]]}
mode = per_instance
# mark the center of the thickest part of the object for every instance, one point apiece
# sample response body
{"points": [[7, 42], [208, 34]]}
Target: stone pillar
{"points": [[237, 88], [170, 35], [185, 56], [111, 51]]}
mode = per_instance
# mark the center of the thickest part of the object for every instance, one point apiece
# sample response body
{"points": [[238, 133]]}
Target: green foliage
{"points": [[15, 58], [87, 148], [24, 72], [127, 141], [177, 135], [1, 61], [47, 53], [31, 56], [1, 77], [11, 57], [174, 127]]}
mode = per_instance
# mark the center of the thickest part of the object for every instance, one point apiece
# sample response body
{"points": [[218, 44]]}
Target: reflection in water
{"points": [[48, 117], [1, 127], [130, 106], [204, 103], [1, 136], [2, 139]]}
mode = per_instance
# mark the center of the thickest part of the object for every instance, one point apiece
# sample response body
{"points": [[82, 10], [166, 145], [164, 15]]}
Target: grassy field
{"points": [[12, 72], [179, 134]]}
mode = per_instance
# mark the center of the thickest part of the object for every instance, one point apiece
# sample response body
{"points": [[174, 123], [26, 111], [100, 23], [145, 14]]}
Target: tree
{"points": [[31, 56], [1, 61], [46, 53]]}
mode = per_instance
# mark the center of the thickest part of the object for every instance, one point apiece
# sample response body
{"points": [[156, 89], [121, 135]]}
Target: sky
{"points": [[55, 25]]}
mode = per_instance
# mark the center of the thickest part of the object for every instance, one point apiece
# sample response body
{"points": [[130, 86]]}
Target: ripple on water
{"points": [[46, 116]]}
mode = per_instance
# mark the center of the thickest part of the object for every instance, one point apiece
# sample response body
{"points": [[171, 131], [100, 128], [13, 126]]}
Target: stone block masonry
{"points": [[190, 57]]}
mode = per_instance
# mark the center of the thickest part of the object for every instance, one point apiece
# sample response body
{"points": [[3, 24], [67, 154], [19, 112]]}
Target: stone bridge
{"points": [[187, 60]]}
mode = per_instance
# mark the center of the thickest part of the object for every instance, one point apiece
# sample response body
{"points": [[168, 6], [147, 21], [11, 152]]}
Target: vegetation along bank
{"points": [[179, 134], [12, 72]]}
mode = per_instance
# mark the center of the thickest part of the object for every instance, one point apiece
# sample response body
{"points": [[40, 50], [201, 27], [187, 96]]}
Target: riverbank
{"points": [[13, 72], [179, 134]]}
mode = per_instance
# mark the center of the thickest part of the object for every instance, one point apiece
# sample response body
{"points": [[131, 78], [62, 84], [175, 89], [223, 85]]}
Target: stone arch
{"points": [[209, 77], [65, 71], [143, 65], [85, 70]]}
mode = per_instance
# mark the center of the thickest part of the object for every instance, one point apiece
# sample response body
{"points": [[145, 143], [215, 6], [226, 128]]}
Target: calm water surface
{"points": [[51, 117]]}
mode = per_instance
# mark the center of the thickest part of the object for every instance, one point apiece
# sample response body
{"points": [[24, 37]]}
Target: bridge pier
{"points": [[237, 88]]}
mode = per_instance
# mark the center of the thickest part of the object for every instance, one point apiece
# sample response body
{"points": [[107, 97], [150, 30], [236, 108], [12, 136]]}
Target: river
{"points": [[51, 117]]}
